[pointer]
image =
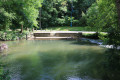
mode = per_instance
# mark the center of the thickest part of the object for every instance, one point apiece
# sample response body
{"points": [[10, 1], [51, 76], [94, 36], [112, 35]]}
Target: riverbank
{"points": [[13, 35], [68, 28]]}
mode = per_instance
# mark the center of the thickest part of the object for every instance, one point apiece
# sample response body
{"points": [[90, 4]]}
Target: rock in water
{"points": [[3, 47]]}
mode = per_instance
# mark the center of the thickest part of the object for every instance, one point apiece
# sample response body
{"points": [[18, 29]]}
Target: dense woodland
{"points": [[17, 16]]}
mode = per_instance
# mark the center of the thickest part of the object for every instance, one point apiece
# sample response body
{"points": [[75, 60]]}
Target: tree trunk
{"points": [[26, 29], [118, 11], [40, 18], [21, 29]]}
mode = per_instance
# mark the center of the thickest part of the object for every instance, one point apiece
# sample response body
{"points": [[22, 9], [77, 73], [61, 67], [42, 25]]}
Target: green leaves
{"points": [[6, 18], [102, 15], [17, 12]]}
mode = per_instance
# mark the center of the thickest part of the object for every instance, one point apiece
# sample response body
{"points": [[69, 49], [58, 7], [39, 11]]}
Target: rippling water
{"points": [[60, 60]]}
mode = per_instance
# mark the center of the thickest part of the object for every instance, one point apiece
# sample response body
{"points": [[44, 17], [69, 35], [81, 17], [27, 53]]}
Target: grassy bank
{"points": [[68, 28], [99, 35]]}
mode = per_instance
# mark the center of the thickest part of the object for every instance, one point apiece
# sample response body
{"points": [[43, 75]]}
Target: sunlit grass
{"points": [[68, 28]]}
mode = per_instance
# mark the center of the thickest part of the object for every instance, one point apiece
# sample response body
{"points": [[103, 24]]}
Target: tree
{"points": [[21, 12], [102, 15], [118, 10]]}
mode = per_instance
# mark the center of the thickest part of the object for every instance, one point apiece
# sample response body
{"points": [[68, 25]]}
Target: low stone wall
{"points": [[52, 34], [41, 34]]}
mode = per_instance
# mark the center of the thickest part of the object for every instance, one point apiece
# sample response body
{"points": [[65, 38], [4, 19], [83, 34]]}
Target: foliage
{"points": [[92, 15], [90, 35], [103, 36], [53, 12], [11, 35], [83, 20], [102, 14], [15, 13], [114, 38], [6, 19], [58, 12]]}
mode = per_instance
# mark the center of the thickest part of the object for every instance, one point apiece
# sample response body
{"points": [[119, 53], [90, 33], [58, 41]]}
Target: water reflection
{"points": [[61, 60], [4, 73]]}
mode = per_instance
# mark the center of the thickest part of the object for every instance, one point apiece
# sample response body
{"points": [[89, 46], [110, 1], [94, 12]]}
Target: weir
{"points": [[57, 35]]}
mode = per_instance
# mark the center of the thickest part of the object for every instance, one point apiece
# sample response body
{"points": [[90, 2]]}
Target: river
{"points": [[59, 60]]}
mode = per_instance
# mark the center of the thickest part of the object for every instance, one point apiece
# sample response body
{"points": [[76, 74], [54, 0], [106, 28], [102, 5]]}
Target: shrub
{"points": [[90, 35], [12, 35]]}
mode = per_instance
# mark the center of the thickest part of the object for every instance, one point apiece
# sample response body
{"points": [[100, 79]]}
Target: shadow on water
{"points": [[87, 41], [104, 67], [112, 65], [4, 74], [62, 60]]}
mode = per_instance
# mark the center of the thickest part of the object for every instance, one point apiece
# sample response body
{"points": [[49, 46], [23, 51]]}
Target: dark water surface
{"points": [[60, 60]]}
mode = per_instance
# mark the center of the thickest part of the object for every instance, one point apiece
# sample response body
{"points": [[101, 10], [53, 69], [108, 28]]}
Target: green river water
{"points": [[59, 60]]}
